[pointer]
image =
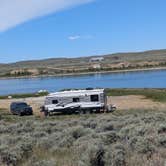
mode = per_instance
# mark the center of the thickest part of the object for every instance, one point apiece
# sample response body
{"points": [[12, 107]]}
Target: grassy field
{"points": [[25, 95], [124, 138], [158, 95]]}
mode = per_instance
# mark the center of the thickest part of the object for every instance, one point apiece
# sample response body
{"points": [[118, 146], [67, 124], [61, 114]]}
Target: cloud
{"points": [[76, 37], [15, 12]]}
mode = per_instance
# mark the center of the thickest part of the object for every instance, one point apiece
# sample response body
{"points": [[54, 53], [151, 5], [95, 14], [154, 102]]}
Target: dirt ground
{"points": [[135, 102], [122, 103], [35, 102]]}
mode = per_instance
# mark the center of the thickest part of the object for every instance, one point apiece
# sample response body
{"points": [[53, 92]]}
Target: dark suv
{"points": [[21, 108]]}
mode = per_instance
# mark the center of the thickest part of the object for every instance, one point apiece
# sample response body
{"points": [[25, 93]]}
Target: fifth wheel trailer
{"points": [[77, 101]]}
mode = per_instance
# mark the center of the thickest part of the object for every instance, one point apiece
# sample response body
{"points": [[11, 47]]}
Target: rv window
{"points": [[76, 100], [94, 98], [54, 101]]}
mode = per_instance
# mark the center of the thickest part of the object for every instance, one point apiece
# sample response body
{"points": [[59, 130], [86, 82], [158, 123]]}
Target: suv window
{"points": [[94, 98], [54, 101], [76, 100], [21, 105]]}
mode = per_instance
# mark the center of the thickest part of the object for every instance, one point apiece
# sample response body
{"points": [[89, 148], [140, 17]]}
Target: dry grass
{"points": [[136, 102]]}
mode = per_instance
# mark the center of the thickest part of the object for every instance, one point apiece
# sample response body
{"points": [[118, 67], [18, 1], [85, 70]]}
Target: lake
{"points": [[141, 79]]}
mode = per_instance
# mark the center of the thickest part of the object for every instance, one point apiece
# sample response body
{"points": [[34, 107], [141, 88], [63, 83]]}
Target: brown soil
{"points": [[135, 102]]}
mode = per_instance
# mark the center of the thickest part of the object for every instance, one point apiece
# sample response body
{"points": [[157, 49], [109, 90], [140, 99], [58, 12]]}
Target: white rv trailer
{"points": [[80, 101]]}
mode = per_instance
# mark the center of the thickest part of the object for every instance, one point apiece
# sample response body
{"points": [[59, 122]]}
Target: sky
{"points": [[43, 29]]}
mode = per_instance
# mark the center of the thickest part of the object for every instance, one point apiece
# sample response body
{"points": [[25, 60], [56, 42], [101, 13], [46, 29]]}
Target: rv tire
{"points": [[20, 114], [82, 112]]}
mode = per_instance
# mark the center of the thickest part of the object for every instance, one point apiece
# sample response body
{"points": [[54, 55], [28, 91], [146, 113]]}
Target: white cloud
{"points": [[15, 12], [76, 37]]}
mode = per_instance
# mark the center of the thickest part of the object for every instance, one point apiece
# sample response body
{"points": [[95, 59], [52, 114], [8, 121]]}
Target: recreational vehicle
{"points": [[77, 101]]}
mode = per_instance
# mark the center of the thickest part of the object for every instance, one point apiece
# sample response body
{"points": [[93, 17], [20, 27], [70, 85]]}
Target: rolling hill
{"points": [[118, 61]]}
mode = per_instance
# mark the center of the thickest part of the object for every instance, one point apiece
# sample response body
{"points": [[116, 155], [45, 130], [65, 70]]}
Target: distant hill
{"points": [[151, 58]]}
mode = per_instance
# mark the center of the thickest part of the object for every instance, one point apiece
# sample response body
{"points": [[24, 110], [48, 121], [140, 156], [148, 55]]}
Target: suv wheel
{"points": [[20, 114]]}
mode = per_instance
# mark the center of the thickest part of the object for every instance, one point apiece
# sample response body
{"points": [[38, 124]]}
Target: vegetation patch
{"points": [[158, 95], [84, 140], [25, 95]]}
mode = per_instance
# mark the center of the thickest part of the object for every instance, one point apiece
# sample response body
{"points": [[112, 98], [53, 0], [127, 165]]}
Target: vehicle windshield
{"points": [[22, 105]]}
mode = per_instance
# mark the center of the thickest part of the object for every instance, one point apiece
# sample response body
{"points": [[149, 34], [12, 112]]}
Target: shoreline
{"points": [[86, 73]]}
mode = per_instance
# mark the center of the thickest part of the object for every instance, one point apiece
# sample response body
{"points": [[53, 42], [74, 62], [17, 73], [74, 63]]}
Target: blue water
{"points": [[143, 79]]}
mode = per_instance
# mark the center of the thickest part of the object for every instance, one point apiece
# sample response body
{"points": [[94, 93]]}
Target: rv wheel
{"points": [[89, 111], [20, 114], [111, 108], [82, 112]]}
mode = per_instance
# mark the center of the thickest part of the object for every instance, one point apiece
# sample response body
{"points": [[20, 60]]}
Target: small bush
{"points": [[143, 145], [109, 137], [162, 140], [44, 163], [89, 124], [39, 134], [93, 156], [66, 141], [79, 131], [162, 129], [45, 143], [105, 127], [115, 156]]}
